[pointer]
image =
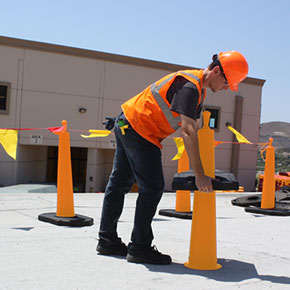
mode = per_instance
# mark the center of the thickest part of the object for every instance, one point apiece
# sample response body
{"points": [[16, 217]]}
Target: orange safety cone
{"points": [[269, 206], [182, 203], [183, 196], [65, 215], [202, 255], [268, 191], [65, 201]]}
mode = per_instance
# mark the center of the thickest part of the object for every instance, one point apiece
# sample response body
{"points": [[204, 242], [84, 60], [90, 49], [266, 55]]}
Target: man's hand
{"points": [[189, 128], [203, 183]]}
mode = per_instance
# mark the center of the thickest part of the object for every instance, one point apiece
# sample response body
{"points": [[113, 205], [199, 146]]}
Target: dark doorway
{"points": [[79, 167]]}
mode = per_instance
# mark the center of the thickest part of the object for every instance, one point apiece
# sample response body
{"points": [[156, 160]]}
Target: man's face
{"points": [[218, 80]]}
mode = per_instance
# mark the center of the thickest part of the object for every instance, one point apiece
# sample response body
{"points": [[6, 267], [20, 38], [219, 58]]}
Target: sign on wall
{"points": [[35, 139]]}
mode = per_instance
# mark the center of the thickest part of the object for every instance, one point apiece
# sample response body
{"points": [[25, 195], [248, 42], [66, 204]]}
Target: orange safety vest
{"points": [[149, 112]]}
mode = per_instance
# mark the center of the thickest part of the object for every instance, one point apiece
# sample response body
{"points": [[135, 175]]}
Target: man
{"points": [[149, 117]]}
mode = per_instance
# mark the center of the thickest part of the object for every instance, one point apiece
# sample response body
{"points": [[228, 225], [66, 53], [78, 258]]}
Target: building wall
{"points": [[50, 83]]}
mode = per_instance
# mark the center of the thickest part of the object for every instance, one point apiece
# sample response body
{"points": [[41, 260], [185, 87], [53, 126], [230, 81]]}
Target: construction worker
{"points": [[173, 102]]}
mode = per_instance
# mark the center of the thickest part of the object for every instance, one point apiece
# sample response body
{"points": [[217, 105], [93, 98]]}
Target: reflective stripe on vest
{"points": [[173, 121], [192, 76]]}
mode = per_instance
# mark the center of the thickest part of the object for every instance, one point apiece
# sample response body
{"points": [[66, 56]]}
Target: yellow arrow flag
{"points": [[97, 133], [180, 148], [8, 139], [239, 136]]}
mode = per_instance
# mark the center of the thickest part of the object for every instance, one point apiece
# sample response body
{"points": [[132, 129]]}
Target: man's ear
{"points": [[216, 69]]}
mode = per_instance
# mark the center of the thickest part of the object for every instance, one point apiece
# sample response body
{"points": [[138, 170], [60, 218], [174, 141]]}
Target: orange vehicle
{"points": [[281, 179]]}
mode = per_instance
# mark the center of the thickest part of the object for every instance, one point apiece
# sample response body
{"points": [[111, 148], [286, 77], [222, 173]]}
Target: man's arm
{"points": [[189, 128]]}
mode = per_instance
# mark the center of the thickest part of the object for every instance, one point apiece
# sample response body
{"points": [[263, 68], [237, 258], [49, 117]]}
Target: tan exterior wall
{"points": [[50, 83]]}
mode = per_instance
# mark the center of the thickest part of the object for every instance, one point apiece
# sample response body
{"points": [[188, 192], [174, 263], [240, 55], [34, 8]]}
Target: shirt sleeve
{"points": [[185, 100]]}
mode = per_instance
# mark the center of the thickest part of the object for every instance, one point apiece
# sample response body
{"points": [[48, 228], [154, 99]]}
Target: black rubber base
{"points": [[285, 188], [279, 210], [176, 214], [186, 181], [248, 200], [76, 221], [256, 199]]}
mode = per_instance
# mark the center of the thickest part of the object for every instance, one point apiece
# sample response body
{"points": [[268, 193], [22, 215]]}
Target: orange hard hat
{"points": [[235, 67]]}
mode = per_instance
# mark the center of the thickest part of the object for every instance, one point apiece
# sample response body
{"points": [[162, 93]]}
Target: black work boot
{"points": [[117, 248], [148, 255]]}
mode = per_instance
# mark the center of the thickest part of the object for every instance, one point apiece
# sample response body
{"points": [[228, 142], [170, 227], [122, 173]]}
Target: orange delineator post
{"points": [[202, 255], [183, 196], [65, 215], [268, 191], [65, 201]]}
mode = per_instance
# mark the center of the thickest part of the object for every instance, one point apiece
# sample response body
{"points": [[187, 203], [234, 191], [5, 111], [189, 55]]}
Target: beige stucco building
{"points": [[43, 84]]}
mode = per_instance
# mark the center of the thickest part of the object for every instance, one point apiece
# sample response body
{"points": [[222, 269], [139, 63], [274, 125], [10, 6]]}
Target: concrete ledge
{"points": [[26, 188]]}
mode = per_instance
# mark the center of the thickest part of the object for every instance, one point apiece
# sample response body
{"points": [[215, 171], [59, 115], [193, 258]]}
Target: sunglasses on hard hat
{"points": [[215, 59], [222, 71]]}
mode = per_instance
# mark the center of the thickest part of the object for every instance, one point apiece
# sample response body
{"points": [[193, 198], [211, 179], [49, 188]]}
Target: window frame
{"points": [[8, 85], [218, 109]]}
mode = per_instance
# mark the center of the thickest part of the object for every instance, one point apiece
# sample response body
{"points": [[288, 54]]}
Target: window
{"points": [[4, 97], [214, 120]]}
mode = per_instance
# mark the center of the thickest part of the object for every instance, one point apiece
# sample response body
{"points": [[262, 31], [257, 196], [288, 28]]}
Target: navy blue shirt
{"points": [[183, 97]]}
